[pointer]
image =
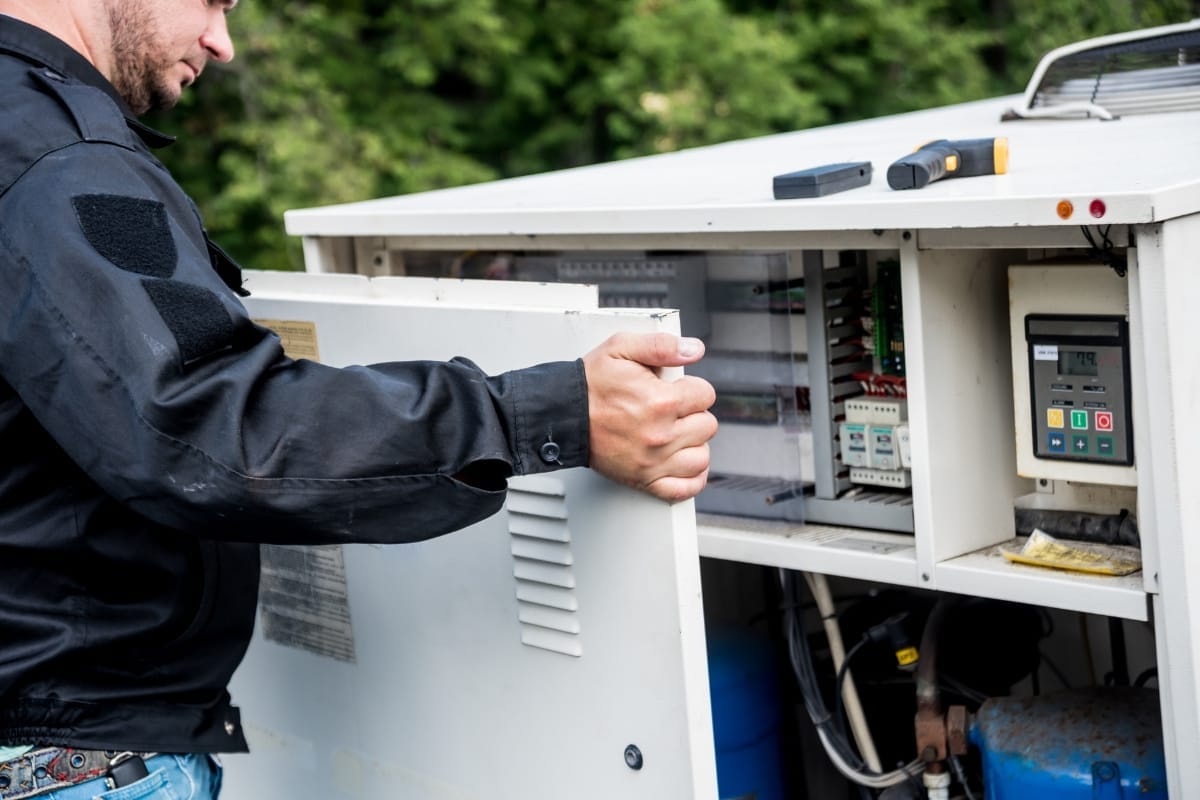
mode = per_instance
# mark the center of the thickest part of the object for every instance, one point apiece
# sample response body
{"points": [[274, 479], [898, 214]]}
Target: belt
{"points": [[49, 768]]}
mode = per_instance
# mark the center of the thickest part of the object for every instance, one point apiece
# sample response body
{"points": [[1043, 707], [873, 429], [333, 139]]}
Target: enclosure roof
{"points": [[1145, 168]]}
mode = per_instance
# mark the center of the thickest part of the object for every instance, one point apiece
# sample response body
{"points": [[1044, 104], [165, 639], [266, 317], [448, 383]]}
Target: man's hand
{"points": [[646, 432]]}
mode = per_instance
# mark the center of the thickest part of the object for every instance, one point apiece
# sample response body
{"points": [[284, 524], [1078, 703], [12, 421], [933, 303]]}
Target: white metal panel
{"points": [[1146, 168], [959, 403], [408, 291], [1059, 288], [1169, 502], [515, 659]]}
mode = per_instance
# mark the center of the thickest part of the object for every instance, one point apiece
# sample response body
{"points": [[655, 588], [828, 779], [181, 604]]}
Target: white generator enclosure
{"points": [[902, 376], [553, 650]]}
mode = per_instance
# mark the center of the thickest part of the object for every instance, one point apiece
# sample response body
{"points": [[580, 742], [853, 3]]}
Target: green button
{"points": [[1079, 420], [1104, 446], [1079, 445]]}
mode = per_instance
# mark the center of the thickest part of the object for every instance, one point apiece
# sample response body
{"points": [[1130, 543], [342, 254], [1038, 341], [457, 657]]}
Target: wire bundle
{"points": [[837, 747]]}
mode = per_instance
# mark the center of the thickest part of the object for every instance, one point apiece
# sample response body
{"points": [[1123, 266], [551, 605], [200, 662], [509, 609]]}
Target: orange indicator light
{"points": [[1065, 209], [1097, 208]]}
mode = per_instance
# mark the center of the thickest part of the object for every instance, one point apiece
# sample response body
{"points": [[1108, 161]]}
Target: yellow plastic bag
{"points": [[1043, 550]]}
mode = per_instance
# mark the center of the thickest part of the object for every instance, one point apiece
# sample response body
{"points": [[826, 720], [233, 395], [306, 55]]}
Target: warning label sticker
{"points": [[303, 602], [299, 338]]}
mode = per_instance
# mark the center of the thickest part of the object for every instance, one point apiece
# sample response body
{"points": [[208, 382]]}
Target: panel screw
{"points": [[925, 577], [906, 235], [633, 757]]}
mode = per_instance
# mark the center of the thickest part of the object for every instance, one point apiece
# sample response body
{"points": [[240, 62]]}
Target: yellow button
{"points": [[1054, 418]]}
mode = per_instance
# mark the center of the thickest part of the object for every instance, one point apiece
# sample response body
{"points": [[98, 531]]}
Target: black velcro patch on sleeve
{"points": [[197, 319], [130, 232]]}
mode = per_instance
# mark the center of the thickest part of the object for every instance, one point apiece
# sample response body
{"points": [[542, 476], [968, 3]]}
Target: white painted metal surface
{"points": [[515, 659], [1146, 168]]}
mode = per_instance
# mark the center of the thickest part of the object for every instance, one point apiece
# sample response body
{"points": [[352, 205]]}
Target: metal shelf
{"points": [[849, 552], [986, 573]]}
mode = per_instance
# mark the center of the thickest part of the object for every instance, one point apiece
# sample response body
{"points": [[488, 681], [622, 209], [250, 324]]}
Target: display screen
{"points": [[1078, 362]]}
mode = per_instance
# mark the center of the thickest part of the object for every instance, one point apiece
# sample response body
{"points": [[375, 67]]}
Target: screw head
{"points": [[633, 757]]}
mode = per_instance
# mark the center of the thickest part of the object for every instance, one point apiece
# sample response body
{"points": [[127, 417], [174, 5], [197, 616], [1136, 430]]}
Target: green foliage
{"points": [[331, 102]]}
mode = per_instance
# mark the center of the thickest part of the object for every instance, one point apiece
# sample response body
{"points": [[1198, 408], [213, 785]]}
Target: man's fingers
{"points": [[690, 431], [694, 395], [674, 488], [655, 349]]}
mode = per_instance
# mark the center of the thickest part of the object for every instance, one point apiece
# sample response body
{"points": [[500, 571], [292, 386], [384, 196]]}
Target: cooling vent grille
{"points": [[1145, 72], [543, 566]]}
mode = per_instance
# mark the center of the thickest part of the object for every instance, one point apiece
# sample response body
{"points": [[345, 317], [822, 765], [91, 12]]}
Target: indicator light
{"points": [[1065, 209], [1097, 208]]}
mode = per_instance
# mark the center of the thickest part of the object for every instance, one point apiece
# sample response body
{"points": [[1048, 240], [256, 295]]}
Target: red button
{"points": [[1104, 421]]}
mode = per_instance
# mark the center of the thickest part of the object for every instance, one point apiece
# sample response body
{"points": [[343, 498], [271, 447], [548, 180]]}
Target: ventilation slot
{"points": [[547, 606], [1143, 72]]}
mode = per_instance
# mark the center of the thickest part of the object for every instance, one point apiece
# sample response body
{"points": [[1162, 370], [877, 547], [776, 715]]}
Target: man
{"points": [[151, 435]]}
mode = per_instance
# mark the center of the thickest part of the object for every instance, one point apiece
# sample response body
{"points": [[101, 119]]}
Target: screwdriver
{"points": [[947, 158]]}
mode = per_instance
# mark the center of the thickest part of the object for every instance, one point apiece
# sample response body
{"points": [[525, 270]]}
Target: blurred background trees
{"points": [[330, 102]]}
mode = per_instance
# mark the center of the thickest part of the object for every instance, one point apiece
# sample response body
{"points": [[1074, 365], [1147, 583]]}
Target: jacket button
{"points": [[550, 452]]}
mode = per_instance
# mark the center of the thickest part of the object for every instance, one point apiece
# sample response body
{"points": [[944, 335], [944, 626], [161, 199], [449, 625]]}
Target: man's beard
{"points": [[137, 68]]}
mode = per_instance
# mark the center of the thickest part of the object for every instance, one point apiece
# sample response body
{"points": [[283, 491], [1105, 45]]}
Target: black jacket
{"points": [[151, 435]]}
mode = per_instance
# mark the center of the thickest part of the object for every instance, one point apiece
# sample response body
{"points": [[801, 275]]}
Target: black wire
{"points": [[1103, 252], [808, 684], [838, 703], [1150, 674], [1058, 673]]}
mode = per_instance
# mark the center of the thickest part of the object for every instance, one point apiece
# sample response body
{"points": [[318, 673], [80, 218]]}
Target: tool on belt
{"points": [[49, 768]]}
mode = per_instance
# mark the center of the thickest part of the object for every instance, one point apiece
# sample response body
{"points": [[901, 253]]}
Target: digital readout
{"points": [[1078, 362]]}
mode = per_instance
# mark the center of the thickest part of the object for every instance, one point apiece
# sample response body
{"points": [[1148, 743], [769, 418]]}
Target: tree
{"points": [[332, 102]]}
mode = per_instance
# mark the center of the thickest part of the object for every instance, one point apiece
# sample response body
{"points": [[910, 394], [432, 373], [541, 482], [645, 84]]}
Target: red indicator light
{"points": [[1097, 208]]}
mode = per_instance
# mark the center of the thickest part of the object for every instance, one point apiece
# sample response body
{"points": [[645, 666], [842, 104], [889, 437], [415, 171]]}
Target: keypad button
{"points": [[1056, 443], [1054, 418], [1104, 446], [1079, 420], [1079, 445], [1104, 421]]}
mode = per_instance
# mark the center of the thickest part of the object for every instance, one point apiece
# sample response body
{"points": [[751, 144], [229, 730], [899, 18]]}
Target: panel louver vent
{"points": [[543, 565], [1143, 72]]}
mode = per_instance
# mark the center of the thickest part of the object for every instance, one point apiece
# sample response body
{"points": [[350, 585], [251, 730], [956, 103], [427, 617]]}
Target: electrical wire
{"points": [[819, 587], [962, 777], [1058, 673], [838, 691], [1103, 251], [836, 746], [1149, 675]]}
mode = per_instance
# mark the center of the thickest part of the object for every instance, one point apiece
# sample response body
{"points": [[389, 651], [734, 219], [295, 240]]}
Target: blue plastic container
{"points": [[1088, 744], [745, 708]]}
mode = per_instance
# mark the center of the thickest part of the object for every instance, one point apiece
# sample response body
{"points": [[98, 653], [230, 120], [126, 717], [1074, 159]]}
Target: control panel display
{"points": [[1079, 386]]}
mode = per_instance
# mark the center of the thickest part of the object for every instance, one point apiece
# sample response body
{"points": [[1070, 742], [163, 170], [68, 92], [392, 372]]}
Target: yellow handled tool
{"points": [[946, 158]]}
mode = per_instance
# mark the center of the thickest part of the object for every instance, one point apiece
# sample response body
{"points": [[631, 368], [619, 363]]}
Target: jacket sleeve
{"points": [[137, 359]]}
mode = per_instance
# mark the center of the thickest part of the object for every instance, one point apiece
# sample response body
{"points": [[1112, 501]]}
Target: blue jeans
{"points": [[186, 777]]}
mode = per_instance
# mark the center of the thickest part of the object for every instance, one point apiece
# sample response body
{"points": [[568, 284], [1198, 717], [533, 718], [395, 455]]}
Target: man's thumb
{"points": [[658, 349]]}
